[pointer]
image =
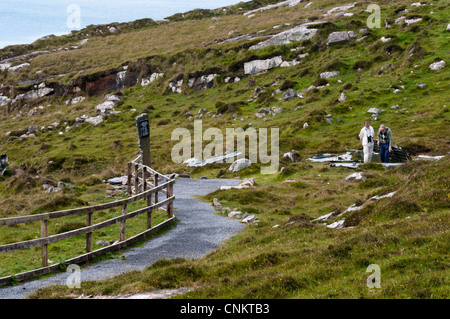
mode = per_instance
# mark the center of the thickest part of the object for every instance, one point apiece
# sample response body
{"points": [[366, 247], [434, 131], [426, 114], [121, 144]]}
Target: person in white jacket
{"points": [[367, 139]]}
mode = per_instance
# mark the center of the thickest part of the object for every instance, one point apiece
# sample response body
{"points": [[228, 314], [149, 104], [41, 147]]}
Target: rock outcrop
{"points": [[339, 37], [202, 82], [240, 165], [259, 66], [296, 34], [150, 79]]}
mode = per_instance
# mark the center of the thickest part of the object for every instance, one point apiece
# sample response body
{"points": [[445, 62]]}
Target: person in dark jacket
{"points": [[385, 142]]}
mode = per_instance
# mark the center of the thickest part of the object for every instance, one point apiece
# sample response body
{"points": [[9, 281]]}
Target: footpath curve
{"points": [[198, 232]]}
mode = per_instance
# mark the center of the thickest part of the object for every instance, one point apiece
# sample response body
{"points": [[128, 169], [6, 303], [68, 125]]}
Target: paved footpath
{"points": [[198, 232]]}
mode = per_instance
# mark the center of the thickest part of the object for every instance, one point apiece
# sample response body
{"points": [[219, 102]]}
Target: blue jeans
{"points": [[384, 152]]}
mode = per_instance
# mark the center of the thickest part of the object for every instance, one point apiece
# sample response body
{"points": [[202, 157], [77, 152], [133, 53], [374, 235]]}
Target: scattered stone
{"points": [[289, 95], [421, 85], [399, 20], [342, 97], [33, 94], [337, 225], [240, 165], [341, 8], [386, 67], [203, 82], [292, 155], [436, 66], [258, 66], [327, 75], [249, 219], [216, 204], [175, 86], [104, 243], [341, 37], [288, 3], [359, 176], [411, 21], [150, 79], [374, 110], [235, 214], [4, 100], [288, 64]]}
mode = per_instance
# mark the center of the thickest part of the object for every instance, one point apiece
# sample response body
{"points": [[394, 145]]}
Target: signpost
{"points": [[143, 128]]}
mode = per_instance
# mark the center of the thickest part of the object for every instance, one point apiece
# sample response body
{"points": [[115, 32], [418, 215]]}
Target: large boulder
{"points": [[341, 37], [296, 34], [240, 165], [258, 66]]}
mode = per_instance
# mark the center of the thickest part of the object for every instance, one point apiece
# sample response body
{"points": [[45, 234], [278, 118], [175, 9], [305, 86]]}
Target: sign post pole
{"points": [[143, 128]]}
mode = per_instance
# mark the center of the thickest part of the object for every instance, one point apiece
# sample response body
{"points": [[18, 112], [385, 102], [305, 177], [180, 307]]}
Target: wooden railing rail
{"points": [[137, 177]]}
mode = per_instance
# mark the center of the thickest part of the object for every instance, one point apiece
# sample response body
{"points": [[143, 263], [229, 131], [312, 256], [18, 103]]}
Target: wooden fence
{"points": [[139, 187]]}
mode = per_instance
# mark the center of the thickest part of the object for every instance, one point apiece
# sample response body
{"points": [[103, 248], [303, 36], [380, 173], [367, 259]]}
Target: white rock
{"points": [[4, 66], [287, 64], [341, 37], [327, 75], [337, 225], [358, 176], [249, 219], [342, 98], [341, 8], [374, 110], [146, 81], [17, 68], [258, 66], [289, 3], [411, 21], [239, 165], [235, 214], [400, 20], [299, 33], [106, 107], [4, 100], [436, 66]]}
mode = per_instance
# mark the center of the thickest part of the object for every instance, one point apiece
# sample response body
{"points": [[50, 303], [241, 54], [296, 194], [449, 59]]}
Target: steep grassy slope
{"points": [[406, 235]]}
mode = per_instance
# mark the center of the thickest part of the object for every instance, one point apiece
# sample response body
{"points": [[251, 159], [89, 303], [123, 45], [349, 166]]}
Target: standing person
{"points": [[366, 137], [385, 141]]}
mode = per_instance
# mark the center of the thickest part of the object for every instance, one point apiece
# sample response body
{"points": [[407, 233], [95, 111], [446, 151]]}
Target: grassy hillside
{"points": [[406, 235]]}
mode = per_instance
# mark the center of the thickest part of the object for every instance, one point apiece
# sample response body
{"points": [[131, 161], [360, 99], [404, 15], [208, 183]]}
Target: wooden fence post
{"points": [[129, 179], [170, 204], [136, 179], [44, 234], [122, 223], [89, 235], [156, 182]]}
